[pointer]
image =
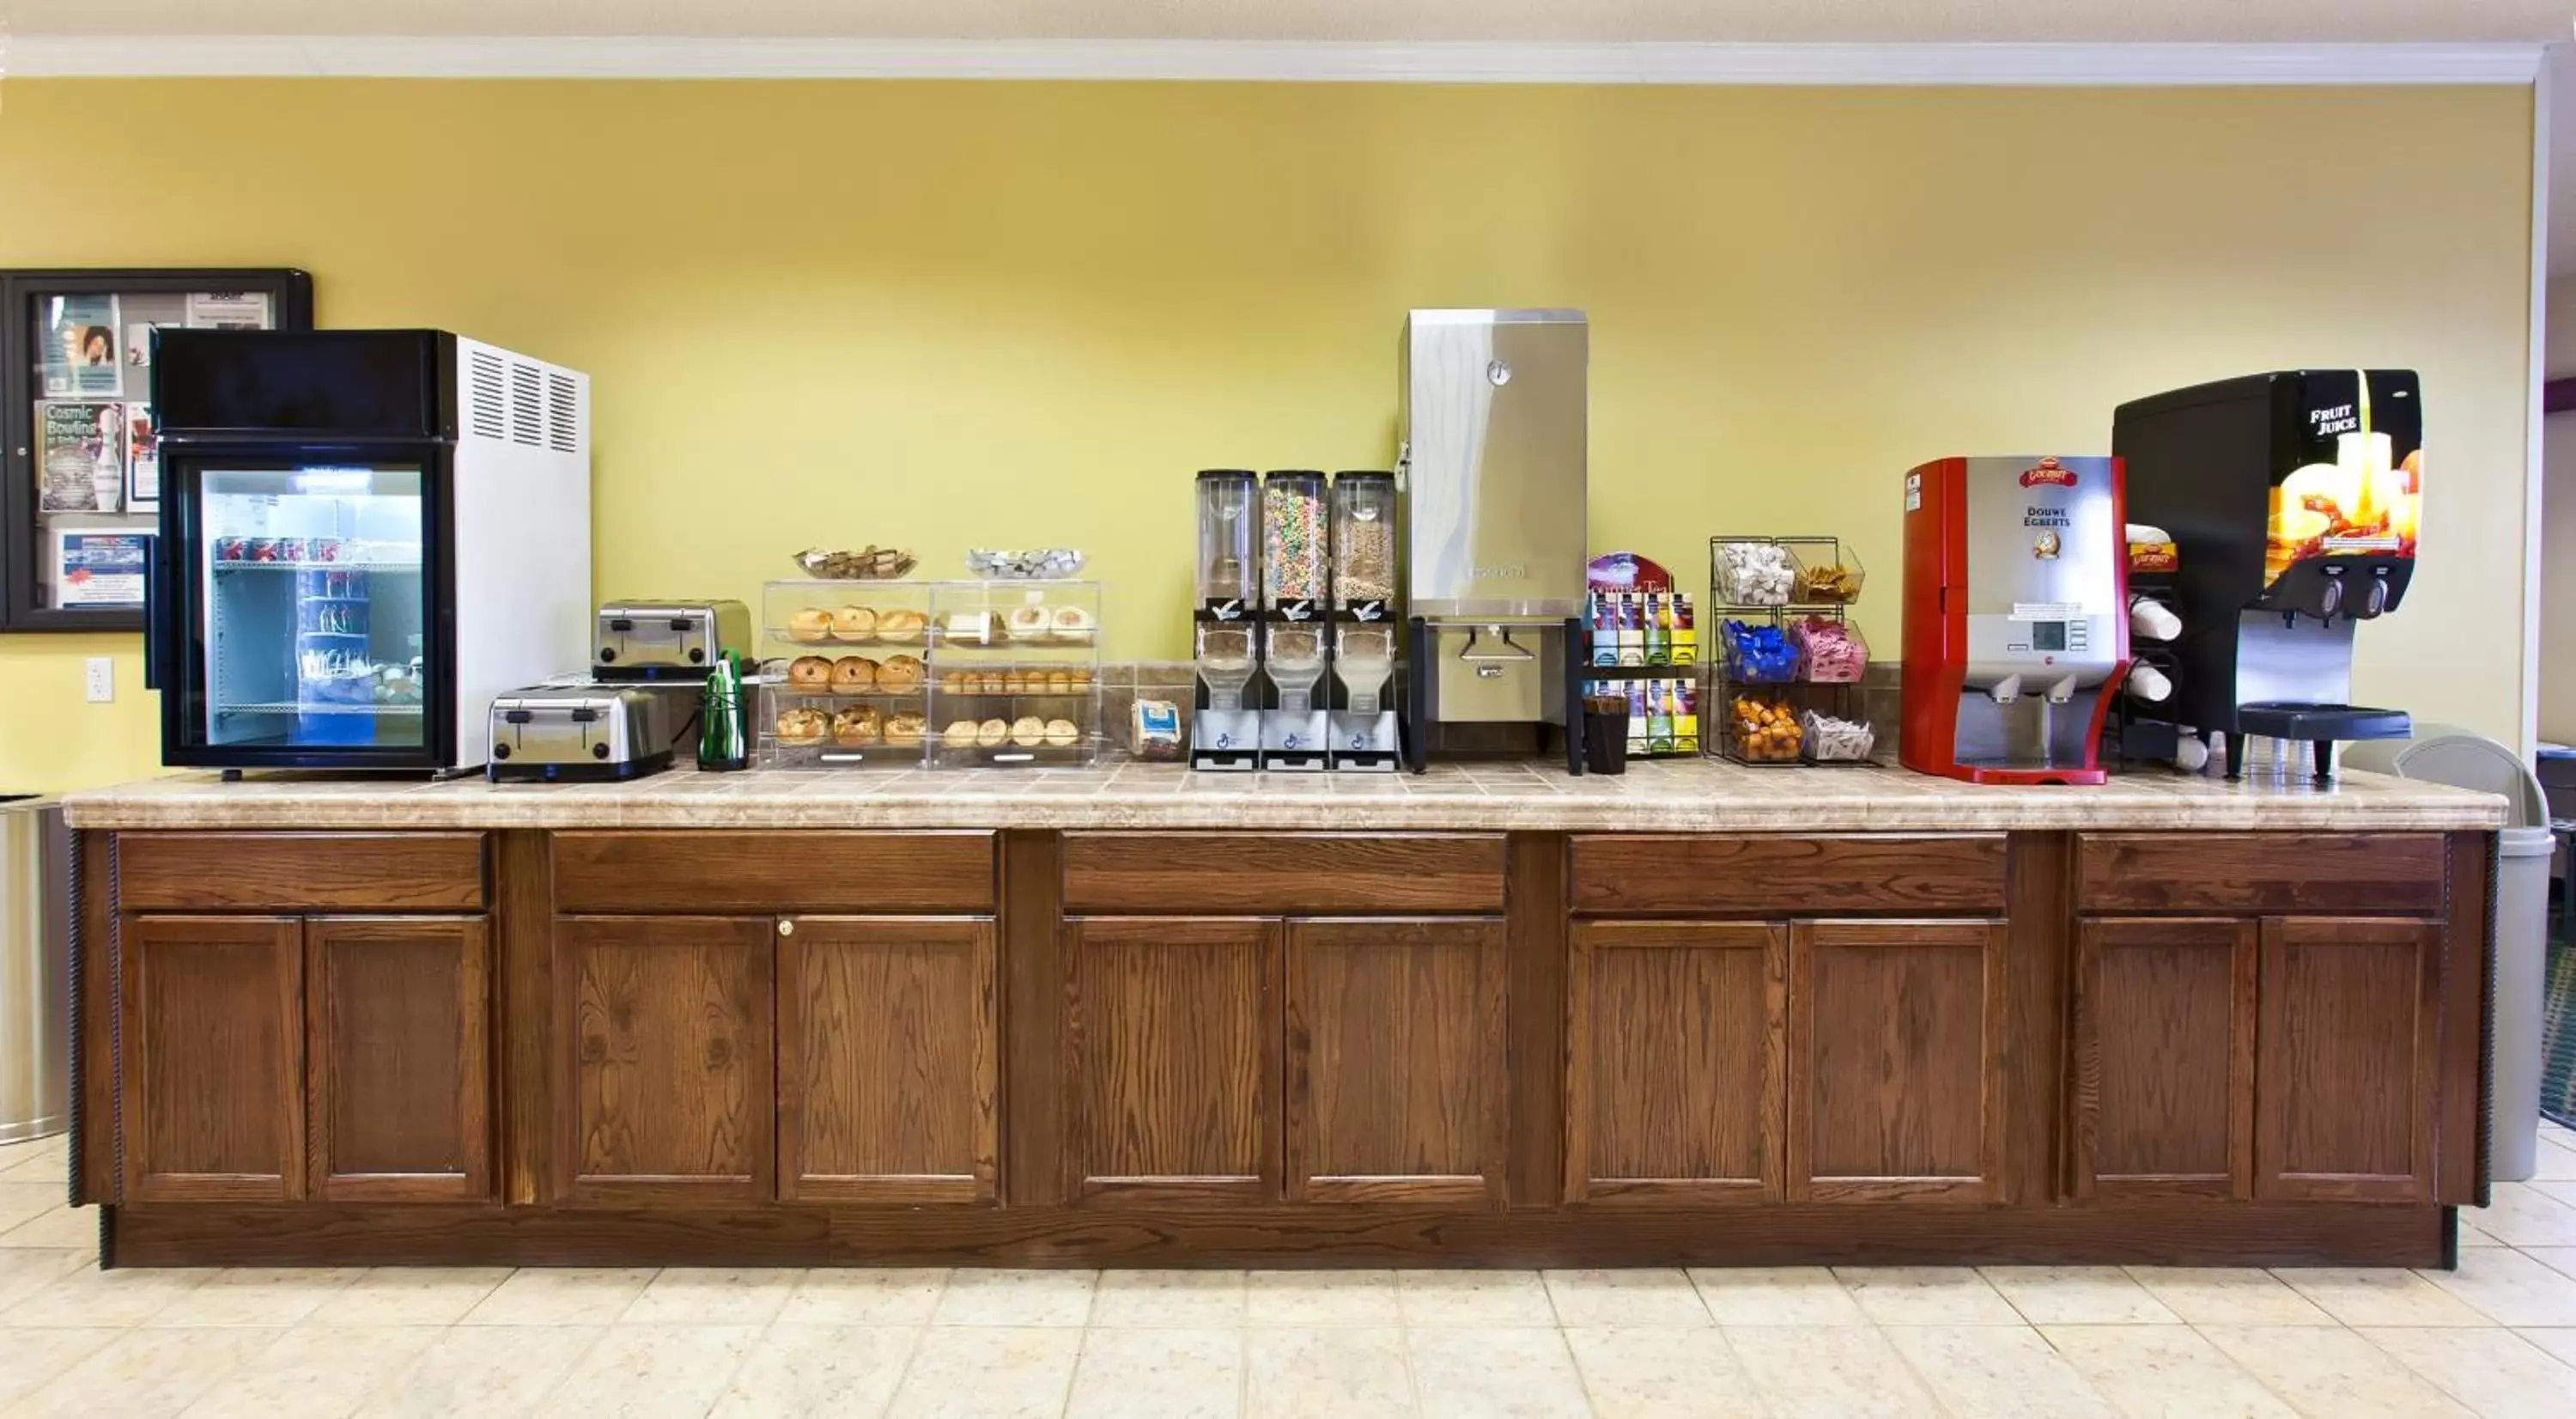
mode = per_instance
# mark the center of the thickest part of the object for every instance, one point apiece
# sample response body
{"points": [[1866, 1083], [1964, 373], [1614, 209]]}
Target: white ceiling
{"points": [[1848, 21]]}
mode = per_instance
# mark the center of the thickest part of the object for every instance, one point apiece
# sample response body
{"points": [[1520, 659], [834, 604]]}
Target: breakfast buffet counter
{"points": [[1685, 796], [1698, 1013]]}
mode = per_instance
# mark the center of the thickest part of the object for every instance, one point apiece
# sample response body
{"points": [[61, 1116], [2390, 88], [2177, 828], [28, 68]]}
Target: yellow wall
{"points": [[945, 315]]}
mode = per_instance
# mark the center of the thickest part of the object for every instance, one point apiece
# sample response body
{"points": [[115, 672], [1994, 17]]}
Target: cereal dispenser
{"points": [[1363, 730], [2016, 617], [1296, 565], [1224, 732]]}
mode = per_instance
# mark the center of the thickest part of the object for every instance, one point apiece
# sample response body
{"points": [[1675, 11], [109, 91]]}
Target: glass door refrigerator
{"points": [[365, 536]]}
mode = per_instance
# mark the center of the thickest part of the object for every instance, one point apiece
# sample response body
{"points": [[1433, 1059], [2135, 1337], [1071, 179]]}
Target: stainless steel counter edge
{"points": [[1696, 796]]}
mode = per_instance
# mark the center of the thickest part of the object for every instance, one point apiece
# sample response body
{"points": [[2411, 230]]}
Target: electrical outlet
{"points": [[102, 679]]}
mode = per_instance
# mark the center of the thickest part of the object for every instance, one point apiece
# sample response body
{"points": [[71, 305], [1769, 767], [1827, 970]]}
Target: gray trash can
{"points": [[35, 952], [2441, 754]]}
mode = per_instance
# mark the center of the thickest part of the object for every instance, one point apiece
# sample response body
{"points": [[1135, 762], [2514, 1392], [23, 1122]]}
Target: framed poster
{"points": [[80, 432]]}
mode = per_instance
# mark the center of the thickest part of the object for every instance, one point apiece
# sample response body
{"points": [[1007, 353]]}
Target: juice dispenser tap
{"points": [[1225, 732], [1363, 729], [1296, 562]]}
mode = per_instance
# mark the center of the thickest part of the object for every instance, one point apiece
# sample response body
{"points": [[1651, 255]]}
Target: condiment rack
{"points": [[930, 674], [1787, 660]]}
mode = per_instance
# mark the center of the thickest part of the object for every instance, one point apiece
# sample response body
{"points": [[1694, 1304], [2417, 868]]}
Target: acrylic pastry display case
{"points": [[940, 674]]}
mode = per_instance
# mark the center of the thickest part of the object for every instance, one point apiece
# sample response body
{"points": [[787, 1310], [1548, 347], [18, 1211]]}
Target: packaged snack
{"points": [[1155, 731], [1766, 729], [1833, 650], [1755, 573], [1758, 654], [1831, 740], [1831, 584]]}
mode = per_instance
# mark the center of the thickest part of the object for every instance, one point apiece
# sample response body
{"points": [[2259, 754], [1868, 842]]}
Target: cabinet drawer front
{"points": [[1320, 873], [393, 872], [1749, 876], [2259, 872], [820, 871]]}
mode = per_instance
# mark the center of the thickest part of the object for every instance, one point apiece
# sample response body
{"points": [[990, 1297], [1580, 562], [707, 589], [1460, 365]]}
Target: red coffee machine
{"points": [[2016, 617]]}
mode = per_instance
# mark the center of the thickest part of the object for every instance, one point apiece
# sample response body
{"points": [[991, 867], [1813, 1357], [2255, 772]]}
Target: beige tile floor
{"points": [[2496, 1338]]}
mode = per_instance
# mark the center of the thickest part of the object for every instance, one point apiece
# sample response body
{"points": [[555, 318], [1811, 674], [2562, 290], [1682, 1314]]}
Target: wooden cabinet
{"points": [[671, 1091], [1676, 1086], [1172, 1059], [397, 1018], [888, 1057], [2162, 1094], [213, 1038], [1395, 1061], [1896, 1083], [2345, 1058]]}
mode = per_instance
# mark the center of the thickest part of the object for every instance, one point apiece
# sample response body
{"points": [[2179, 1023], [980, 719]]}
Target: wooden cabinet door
{"points": [[213, 1088], [1172, 1068], [1395, 1061], [1896, 1087], [2162, 1103], [1676, 1063], [887, 1055], [669, 1093], [398, 1021], [2345, 1059]]}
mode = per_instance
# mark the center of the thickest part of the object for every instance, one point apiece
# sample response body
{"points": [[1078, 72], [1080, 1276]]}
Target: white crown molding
{"points": [[2009, 65]]}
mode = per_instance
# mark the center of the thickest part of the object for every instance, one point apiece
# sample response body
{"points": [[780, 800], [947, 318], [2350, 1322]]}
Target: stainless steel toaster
{"points": [[551, 732], [667, 640]]}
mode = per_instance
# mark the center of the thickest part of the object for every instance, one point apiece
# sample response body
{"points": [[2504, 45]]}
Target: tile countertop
{"points": [[1679, 796]]}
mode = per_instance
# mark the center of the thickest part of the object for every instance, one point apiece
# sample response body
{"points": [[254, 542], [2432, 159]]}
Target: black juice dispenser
{"points": [[2293, 500]]}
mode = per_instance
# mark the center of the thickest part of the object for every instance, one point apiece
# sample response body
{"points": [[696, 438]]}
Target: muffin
{"points": [[809, 672], [853, 675], [810, 625], [854, 623]]}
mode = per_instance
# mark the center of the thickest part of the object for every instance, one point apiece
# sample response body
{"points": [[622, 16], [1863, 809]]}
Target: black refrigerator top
{"points": [[216, 385]]}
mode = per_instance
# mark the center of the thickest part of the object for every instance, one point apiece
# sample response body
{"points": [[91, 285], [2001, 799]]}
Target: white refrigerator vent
{"points": [[488, 405], [527, 404], [563, 413]]}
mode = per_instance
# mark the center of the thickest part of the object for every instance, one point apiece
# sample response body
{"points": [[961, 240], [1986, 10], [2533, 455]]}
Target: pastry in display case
{"points": [[998, 673]]}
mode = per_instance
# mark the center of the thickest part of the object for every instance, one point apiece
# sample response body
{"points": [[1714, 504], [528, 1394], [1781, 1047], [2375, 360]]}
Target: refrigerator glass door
{"points": [[306, 627]]}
